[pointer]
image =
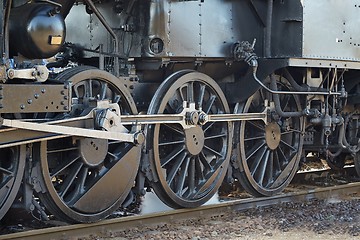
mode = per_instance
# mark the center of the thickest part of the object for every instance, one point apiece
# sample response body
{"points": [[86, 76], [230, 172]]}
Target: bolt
{"points": [[22, 106], [29, 101], [139, 137], [36, 95], [11, 73], [43, 90], [66, 108]]}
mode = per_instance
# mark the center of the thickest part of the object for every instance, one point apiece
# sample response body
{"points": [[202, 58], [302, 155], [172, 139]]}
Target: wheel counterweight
{"points": [[190, 163], [87, 179], [269, 154]]}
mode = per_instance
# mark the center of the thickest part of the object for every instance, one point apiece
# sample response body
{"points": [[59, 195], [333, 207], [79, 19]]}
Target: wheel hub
{"points": [[93, 151], [272, 135], [194, 140]]}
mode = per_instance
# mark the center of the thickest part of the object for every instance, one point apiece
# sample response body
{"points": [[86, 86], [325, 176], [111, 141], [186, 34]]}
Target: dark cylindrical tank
{"points": [[37, 30]]}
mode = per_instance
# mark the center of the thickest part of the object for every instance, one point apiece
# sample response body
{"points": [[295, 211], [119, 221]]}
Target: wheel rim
{"points": [[190, 163], [12, 166], [87, 179], [269, 154]]}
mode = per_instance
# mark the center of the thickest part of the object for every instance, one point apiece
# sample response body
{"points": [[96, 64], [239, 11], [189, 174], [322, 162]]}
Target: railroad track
{"points": [[107, 227]]}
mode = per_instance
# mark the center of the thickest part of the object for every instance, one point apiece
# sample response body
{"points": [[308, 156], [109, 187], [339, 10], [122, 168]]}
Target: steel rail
{"points": [[107, 227]]}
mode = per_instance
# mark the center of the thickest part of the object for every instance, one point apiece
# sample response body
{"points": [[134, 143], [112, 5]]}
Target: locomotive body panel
{"points": [[331, 29], [319, 29], [192, 29]]}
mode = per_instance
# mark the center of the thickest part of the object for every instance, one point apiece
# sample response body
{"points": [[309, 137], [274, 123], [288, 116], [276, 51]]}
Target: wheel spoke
{"points": [[174, 129], [172, 143], [69, 180], [61, 150], [255, 162], [216, 136], [201, 95], [208, 126], [171, 155], [190, 92], [88, 88], [103, 90], [209, 104], [254, 138], [205, 163], [269, 170], [255, 149], [213, 151], [63, 166], [182, 177], [199, 170], [262, 170], [80, 183], [175, 167], [255, 124], [6, 171], [288, 145], [192, 175]]}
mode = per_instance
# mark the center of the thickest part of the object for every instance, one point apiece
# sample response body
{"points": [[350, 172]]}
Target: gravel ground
{"points": [[331, 219]]}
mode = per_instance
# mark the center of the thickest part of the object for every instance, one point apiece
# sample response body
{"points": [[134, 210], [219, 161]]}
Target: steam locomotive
{"points": [[100, 100]]}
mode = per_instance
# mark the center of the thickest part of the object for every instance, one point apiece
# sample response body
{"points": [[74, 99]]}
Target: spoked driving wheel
{"points": [[268, 155], [86, 179], [12, 164], [190, 161]]}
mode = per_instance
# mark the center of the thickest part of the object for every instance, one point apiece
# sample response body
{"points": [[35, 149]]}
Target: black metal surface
{"points": [[36, 30]]}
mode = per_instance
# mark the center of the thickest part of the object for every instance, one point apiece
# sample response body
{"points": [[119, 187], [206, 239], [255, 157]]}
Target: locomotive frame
{"points": [[172, 95]]}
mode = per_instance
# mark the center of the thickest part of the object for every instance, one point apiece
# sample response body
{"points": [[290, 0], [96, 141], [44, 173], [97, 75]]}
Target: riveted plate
{"points": [[28, 98]]}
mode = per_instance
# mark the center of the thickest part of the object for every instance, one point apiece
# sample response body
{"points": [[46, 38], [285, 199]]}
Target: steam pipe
{"points": [[268, 30], [6, 28], [287, 92], [277, 102], [109, 29], [2, 17]]}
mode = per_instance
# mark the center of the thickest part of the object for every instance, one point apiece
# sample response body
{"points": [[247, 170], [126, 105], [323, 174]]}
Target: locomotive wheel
{"points": [[269, 155], [190, 164], [87, 179], [12, 166]]}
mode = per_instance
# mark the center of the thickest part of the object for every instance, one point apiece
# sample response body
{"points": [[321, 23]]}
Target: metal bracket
{"points": [[39, 73]]}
